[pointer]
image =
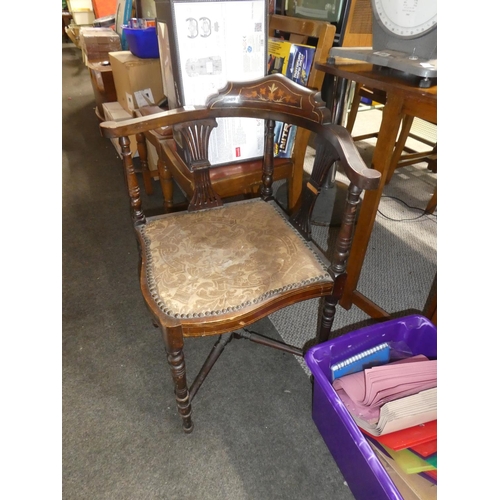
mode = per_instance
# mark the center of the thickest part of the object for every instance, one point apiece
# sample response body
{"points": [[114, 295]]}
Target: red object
{"points": [[103, 8], [238, 152], [432, 473], [426, 449], [408, 438]]}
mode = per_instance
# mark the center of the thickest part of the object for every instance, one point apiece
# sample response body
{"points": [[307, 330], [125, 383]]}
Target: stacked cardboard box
{"points": [[113, 111], [98, 42], [138, 81], [293, 60]]}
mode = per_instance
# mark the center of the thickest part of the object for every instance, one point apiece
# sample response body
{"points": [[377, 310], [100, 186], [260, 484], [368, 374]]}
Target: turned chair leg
{"points": [[175, 358], [143, 157], [327, 317], [166, 182]]}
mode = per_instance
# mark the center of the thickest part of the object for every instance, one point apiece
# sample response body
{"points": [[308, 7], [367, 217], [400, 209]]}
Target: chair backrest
{"points": [[272, 98], [358, 29], [302, 31], [232, 179], [322, 35]]}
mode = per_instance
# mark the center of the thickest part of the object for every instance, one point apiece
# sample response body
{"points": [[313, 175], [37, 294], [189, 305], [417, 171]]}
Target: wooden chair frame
{"points": [[273, 98]]}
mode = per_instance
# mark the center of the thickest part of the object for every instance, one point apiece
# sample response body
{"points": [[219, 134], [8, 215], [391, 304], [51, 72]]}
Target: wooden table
{"points": [[403, 97]]}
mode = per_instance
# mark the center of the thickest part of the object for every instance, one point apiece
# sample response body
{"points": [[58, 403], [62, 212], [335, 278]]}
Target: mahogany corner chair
{"points": [[217, 267]]}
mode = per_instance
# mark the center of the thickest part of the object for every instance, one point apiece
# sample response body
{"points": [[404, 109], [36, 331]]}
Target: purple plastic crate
{"points": [[358, 463], [142, 42]]}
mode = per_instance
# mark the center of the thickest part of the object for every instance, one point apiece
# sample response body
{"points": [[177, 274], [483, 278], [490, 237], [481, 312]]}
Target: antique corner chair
{"points": [[217, 267]]}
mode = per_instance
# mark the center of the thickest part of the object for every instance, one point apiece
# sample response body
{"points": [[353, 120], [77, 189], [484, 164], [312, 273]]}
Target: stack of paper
{"points": [[391, 397]]}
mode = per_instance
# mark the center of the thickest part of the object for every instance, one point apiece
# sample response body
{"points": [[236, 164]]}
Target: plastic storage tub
{"points": [[142, 42], [361, 468]]}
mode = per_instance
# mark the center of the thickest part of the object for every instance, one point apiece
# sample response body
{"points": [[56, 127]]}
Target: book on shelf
{"points": [[294, 60]]}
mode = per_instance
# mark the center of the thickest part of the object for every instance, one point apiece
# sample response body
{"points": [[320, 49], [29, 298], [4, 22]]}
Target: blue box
{"points": [[294, 60], [284, 139], [300, 62], [360, 466], [142, 42]]}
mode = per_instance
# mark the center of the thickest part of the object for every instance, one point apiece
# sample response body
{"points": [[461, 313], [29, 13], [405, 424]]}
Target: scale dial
{"points": [[406, 18]]}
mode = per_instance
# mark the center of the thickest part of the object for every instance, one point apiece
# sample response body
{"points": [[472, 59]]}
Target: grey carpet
{"points": [[254, 437]]}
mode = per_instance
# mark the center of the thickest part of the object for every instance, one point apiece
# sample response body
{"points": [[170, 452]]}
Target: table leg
{"points": [[391, 119], [325, 212]]}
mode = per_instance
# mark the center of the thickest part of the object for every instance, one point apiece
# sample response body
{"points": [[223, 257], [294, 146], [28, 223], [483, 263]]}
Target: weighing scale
{"points": [[404, 39]]}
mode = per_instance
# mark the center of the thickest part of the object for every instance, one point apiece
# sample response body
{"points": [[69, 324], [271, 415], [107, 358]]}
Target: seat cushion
{"points": [[215, 261]]}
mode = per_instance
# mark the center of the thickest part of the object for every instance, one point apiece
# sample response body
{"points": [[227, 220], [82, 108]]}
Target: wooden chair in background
{"points": [[398, 159], [244, 178], [218, 267]]}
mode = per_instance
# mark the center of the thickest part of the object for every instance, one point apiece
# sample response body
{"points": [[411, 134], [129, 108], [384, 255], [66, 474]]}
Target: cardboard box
{"points": [[203, 45], [98, 42], [293, 60], [82, 11], [83, 18], [137, 81], [113, 111], [103, 85], [73, 32]]}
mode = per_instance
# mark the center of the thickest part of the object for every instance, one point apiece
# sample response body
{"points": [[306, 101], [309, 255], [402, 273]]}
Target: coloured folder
{"points": [[407, 438], [418, 487], [425, 449]]}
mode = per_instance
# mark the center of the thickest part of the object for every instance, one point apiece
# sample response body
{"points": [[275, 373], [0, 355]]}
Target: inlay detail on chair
{"points": [[216, 268], [282, 94]]}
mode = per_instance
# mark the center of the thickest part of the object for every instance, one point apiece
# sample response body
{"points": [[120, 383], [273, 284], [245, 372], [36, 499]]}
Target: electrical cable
{"points": [[423, 214]]}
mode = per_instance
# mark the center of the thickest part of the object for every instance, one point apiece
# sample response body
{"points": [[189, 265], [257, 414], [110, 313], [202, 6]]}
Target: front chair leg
{"points": [[166, 182], [143, 158], [327, 317], [175, 358]]}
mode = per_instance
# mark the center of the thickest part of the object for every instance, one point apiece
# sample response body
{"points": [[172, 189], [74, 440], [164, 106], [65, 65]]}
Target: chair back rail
{"points": [[272, 98]]}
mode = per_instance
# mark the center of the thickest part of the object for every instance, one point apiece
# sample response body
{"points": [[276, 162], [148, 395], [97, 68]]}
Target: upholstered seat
{"points": [[234, 257]]}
